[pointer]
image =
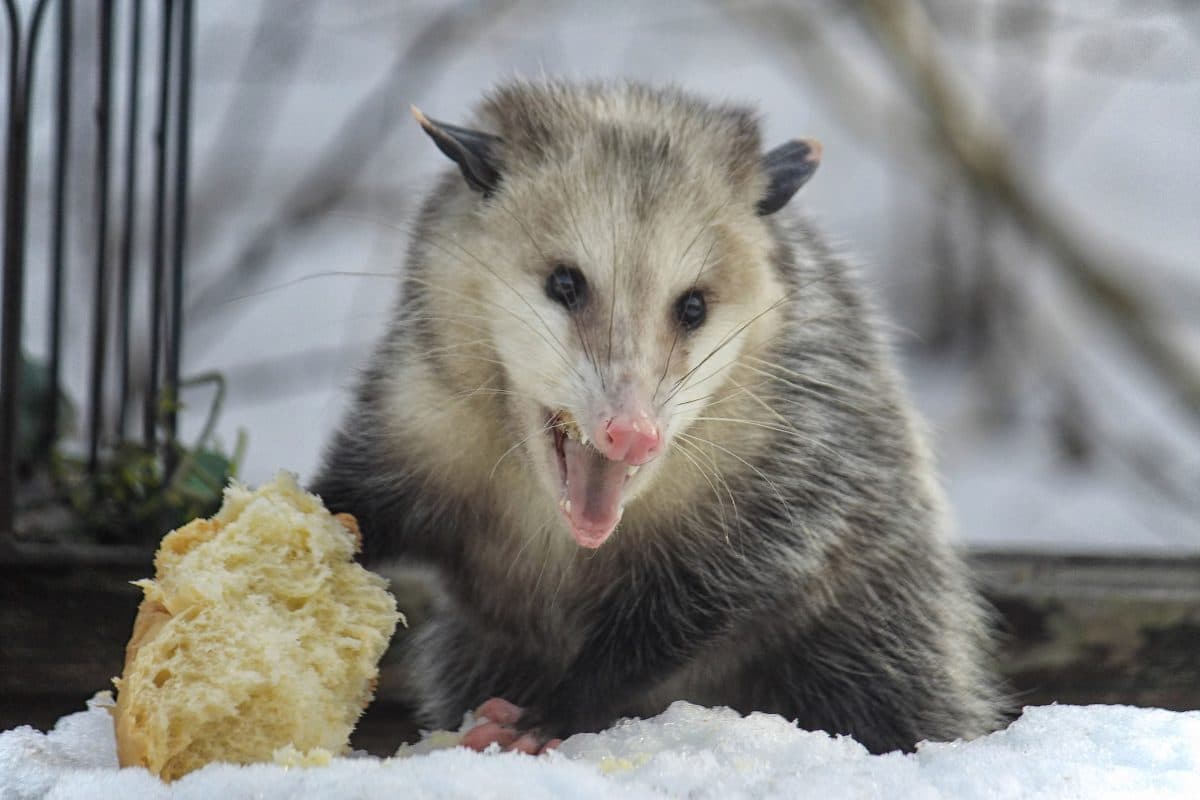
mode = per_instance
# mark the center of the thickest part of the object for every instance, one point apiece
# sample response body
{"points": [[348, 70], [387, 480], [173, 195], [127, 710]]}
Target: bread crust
{"points": [[152, 617]]}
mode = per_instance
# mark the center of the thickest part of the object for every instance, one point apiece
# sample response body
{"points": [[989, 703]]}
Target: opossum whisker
{"points": [[486, 390], [788, 428], [811, 392], [775, 489], [725, 341], [739, 362], [563, 573], [483, 389], [841, 389], [566, 205], [612, 311], [612, 305], [486, 360], [694, 453], [454, 318], [801, 375], [459, 316], [447, 348], [743, 389], [703, 265], [547, 553], [432, 237], [755, 423], [675, 338], [701, 381], [583, 342], [541, 430], [739, 390], [478, 302], [312, 276], [562, 349], [458, 319], [681, 383], [708, 396], [520, 550], [677, 408], [557, 345], [701, 228], [683, 449]]}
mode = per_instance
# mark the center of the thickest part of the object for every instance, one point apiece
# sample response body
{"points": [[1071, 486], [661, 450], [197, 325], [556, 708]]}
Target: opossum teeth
{"points": [[565, 505], [629, 473], [566, 423]]}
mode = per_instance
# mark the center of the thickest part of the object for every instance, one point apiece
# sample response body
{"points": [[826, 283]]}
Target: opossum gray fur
{"points": [[784, 548]]}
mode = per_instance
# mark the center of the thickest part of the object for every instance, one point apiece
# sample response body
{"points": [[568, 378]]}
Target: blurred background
{"points": [[1020, 180], [1054, 427]]}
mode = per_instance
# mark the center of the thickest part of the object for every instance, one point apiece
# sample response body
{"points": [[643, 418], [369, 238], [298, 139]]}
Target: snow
{"points": [[688, 751]]}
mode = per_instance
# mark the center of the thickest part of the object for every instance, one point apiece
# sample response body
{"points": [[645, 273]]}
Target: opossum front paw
{"points": [[503, 727]]}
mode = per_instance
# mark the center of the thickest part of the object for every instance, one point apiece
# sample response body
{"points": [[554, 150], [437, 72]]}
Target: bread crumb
{"points": [[289, 756]]}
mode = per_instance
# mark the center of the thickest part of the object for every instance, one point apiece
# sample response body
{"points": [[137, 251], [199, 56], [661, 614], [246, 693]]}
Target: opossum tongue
{"points": [[594, 488]]}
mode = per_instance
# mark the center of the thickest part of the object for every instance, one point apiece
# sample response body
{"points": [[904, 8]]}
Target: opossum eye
{"points": [[690, 310], [566, 285]]}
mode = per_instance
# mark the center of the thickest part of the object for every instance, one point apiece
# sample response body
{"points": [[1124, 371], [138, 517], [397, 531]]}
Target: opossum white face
{"points": [[626, 269]]}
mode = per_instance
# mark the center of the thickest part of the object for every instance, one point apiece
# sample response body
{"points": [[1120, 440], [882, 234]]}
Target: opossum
{"points": [[640, 421]]}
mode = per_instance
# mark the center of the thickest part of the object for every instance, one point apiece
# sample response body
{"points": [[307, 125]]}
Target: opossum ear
{"points": [[473, 151], [788, 167]]}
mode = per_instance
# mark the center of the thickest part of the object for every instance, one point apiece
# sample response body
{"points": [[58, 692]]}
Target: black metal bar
{"points": [[179, 240], [20, 96], [101, 299], [47, 410], [158, 243], [58, 232], [27, 82], [14, 268], [125, 292]]}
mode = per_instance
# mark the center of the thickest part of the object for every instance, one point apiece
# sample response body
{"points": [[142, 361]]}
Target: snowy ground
{"points": [[688, 751]]}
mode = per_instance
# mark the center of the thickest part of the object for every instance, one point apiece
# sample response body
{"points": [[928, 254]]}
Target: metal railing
{"points": [[115, 168]]}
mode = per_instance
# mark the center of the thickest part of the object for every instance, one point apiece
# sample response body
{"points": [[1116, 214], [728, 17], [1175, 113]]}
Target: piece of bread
{"points": [[258, 631]]}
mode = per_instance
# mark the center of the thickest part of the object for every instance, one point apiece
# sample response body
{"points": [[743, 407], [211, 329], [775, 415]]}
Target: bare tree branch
{"points": [[278, 44], [359, 138], [980, 150], [806, 45]]}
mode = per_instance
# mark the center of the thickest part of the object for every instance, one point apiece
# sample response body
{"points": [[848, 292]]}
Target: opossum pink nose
{"points": [[631, 438]]}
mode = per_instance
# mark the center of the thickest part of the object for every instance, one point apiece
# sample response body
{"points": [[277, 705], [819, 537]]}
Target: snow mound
{"points": [[688, 751]]}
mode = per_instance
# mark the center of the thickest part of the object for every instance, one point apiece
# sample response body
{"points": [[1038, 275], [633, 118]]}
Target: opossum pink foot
{"points": [[500, 710], [481, 737], [500, 729]]}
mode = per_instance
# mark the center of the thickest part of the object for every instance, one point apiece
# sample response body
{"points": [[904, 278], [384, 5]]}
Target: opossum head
{"points": [[619, 252]]}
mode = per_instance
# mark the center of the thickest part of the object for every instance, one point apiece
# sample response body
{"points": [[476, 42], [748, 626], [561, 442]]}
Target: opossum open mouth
{"points": [[593, 487]]}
